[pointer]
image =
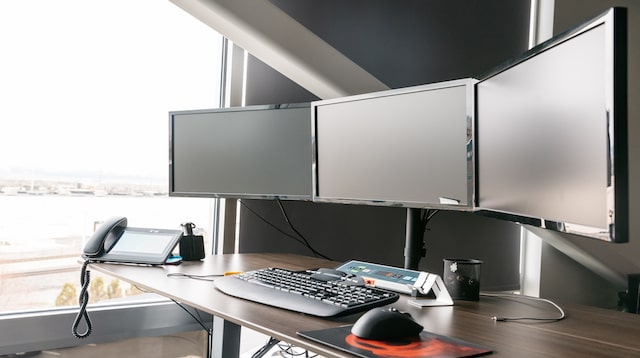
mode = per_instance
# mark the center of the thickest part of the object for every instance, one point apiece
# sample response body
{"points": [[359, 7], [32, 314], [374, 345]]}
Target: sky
{"points": [[86, 85]]}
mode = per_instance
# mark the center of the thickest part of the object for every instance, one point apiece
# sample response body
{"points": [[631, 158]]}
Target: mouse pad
{"points": [[426, 345]]}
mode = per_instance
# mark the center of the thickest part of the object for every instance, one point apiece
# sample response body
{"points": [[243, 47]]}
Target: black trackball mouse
{"points": [[385, 324]]}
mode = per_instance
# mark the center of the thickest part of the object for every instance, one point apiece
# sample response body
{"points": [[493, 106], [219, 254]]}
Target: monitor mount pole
{"points": [[414, 240]]}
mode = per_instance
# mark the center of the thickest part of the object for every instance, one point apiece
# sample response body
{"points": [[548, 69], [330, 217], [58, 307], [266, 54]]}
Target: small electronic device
{"points": [[386, 323], [387, 277], [113, 241], [415, 283]]}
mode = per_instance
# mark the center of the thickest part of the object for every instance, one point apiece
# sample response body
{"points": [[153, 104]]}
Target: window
{"points": [[85, 90]]}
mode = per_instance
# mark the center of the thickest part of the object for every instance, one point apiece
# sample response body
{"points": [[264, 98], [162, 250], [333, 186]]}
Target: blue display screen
{"points": [[380, 272]]}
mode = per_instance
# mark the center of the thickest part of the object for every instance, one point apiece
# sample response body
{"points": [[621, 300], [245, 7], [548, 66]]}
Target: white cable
{"points": [[504, 319]]}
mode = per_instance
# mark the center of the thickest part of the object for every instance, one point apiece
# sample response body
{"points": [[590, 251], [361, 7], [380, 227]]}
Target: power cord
{"points": [[427, 215], [268, 222], [201, 323], [209, 278], [197, 319], [516, 297], [285, 348], [306, 243], [83, 300], [299, 239], [290, 349], [265, 349]]}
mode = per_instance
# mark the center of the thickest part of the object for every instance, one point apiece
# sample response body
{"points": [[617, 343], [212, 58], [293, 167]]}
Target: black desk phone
{"points": [[104, 237], [100, 242], [113, 241]]}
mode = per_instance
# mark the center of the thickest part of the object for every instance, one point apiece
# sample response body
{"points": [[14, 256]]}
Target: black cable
{"points": [[287, 348], [197, 319], [427, 215], [265, 349], [300, 239], [201, 323], [83, 300], [269, 223], [306, 243]]}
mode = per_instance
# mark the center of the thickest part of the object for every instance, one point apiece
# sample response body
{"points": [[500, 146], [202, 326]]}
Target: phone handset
{"points": [[104, 237], [100, 242]]}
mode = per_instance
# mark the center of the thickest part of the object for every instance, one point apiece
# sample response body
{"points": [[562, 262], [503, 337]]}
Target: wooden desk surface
{"points": [[586, 332]]}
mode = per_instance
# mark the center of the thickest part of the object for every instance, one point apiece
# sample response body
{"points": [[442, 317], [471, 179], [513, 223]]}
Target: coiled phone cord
{"points": [[83, 300]]}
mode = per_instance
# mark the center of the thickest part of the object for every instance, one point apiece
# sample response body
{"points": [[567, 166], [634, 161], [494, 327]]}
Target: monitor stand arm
{"points": [[414, 240]]}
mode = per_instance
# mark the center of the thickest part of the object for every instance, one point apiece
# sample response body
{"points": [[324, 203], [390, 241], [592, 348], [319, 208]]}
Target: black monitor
{"points": [[409, 147], [257, 152], [552, 133]]}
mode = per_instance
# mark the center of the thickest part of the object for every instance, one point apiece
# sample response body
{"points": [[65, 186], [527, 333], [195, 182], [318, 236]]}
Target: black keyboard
{"points": [[299, 291]]}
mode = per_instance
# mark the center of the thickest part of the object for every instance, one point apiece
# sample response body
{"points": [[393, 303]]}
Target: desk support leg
{"points": [[226, 339]]}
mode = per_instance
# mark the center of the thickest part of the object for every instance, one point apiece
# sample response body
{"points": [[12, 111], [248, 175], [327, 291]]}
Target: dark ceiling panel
{"points": [[414, 42]]}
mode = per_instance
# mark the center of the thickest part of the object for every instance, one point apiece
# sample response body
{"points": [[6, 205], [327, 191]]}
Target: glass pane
{"points": [[85, 93]]}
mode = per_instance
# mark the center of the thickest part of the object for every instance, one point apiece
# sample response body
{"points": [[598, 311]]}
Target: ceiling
{"points": [[276, 39]]}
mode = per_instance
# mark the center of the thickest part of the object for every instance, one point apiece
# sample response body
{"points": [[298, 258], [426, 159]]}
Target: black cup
{"points": [[462, 278]]}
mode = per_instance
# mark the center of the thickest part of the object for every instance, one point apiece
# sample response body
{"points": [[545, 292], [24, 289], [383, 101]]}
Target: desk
{"points": [[586, 332]]}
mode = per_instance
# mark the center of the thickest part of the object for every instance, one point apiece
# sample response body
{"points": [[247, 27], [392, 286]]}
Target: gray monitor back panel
{"points": [[409, 147], [241, 152]]}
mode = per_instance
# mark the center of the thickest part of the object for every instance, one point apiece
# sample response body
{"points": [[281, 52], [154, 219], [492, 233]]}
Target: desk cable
{"points": [[514, 296], [83, 300], [426, 217], [209, 278], [285, 348], [198, 319], [299, 238], [200, 322]]}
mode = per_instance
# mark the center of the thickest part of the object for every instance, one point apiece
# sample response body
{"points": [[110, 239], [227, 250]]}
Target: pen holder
{"points": [[191, 246], [462, 278]]}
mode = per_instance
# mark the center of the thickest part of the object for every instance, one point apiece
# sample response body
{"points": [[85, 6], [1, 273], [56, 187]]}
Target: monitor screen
{"points": [[551, 133], [409, 147], [241, 152]]}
